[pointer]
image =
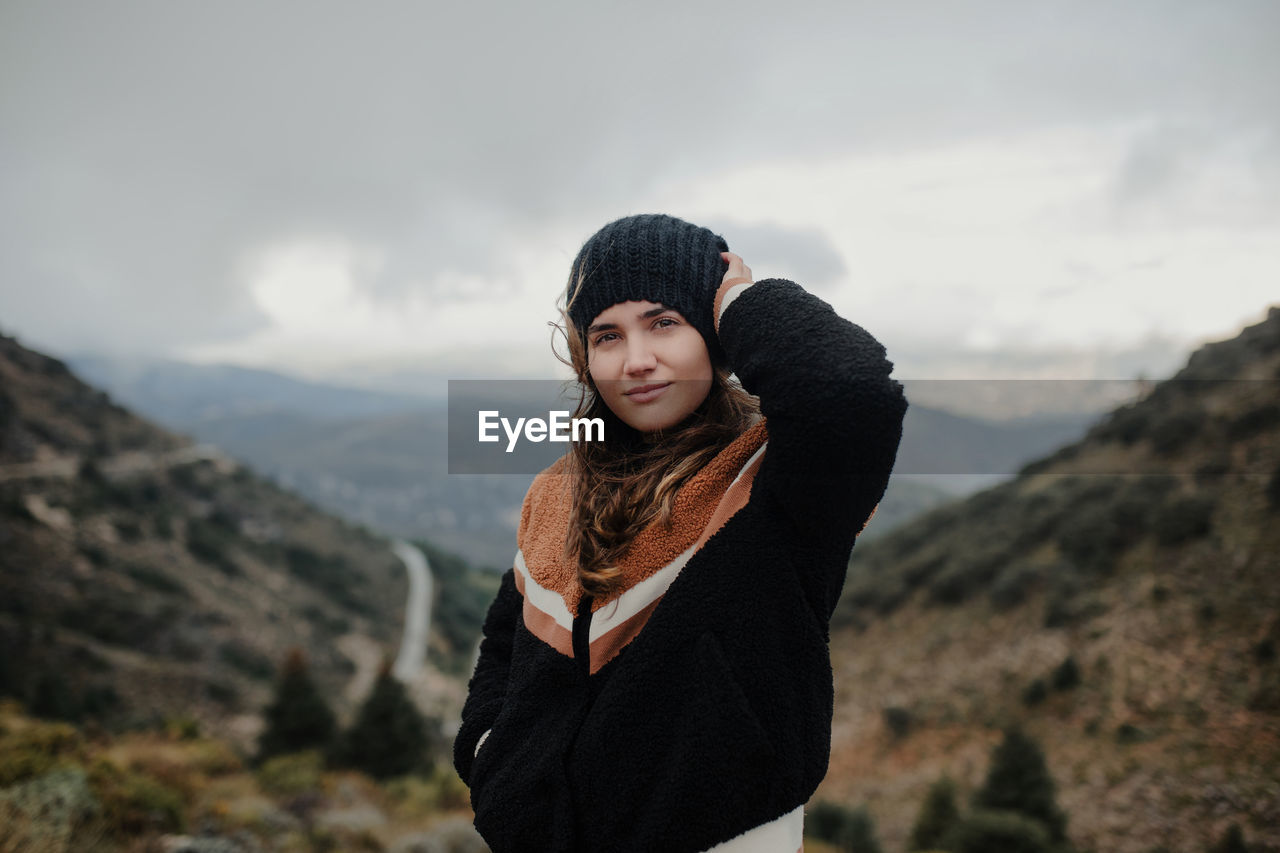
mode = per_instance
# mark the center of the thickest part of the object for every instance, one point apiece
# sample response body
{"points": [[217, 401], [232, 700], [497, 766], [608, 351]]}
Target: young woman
{"points": [[654, 673]]}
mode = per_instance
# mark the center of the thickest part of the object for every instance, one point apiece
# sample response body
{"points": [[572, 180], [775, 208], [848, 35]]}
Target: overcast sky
{"points": [[1067, 189]]}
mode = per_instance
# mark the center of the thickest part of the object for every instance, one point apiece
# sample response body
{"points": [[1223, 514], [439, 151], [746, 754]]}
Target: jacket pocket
{"points": [[519, 791], [672, 757]]}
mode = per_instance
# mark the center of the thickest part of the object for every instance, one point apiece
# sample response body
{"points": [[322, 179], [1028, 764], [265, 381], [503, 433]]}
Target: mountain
{"points": [[143, 576], [379, 459], [1117, 599]]}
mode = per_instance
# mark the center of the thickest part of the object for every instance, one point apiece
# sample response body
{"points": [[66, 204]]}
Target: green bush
{"points": [[1094, 538], [938, 819], [134, 804], [996, 831], [1126, 424], [389, 736], [36, 749], [848, 829], [1273, 489], [210, 543], [1184, 519], [298, 718], [1232, 841], [291, 774], [247, 660], [1175, 431], [154, 578], [1067, 675], [1018, 780], [1013, 585], [1035, 693], [332, 574], [897, 721], [1264, 418]]}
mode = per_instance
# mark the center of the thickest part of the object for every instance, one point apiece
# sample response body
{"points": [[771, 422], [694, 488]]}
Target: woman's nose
{"points": [[640, 356]]}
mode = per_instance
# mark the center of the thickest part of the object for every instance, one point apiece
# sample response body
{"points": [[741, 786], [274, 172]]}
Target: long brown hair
{"points": [[622, 484]]}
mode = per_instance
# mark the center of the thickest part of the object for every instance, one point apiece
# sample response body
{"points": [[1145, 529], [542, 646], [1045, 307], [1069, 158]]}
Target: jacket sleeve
{"points": [[834, 418], [488, 686]]}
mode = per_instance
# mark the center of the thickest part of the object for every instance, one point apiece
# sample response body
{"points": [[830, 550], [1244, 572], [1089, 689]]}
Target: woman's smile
{"points": [[645, 393]]}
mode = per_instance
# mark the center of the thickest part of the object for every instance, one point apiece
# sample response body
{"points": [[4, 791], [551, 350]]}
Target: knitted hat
{"points": [[651, 257]]}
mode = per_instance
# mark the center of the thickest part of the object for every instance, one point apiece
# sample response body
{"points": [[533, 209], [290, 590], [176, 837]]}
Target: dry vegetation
{"points": [[1146, 555]]}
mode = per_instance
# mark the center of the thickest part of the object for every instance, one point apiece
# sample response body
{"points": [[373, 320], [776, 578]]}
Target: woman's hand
{"points": [[738, 272]]}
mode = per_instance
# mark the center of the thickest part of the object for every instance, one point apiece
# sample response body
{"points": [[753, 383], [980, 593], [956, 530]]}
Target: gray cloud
{"points": [[148, 149]]}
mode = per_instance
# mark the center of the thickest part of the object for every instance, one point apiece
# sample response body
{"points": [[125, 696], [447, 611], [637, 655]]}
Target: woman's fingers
{"points": [[737, 269]]}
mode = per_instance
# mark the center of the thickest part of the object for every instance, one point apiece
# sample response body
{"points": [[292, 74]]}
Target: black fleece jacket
{"points": [[716, 718]]}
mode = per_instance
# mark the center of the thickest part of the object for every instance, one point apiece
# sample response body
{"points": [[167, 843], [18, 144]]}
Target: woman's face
{"points": [[633, 347]]}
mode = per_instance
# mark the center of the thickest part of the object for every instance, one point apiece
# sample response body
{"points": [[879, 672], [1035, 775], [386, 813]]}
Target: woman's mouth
{"points": [[646, 393]]}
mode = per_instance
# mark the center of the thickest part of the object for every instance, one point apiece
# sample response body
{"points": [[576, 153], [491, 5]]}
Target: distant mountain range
{"points": [[380, 459]]}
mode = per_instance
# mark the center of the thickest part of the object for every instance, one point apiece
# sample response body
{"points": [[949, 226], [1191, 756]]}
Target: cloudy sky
{"points": [[1068, 189]]}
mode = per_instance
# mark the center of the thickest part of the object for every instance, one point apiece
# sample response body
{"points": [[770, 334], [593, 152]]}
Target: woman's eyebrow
{"points": [[602, 327]]}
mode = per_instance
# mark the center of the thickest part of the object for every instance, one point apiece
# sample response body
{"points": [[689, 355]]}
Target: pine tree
{"points": [[1019, 781], [1232, 841], [298, 718], [938, 817], [389, 736]]}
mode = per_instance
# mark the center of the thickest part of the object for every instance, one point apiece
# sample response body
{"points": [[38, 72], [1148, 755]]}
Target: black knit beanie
{"points": [[651, 257]]}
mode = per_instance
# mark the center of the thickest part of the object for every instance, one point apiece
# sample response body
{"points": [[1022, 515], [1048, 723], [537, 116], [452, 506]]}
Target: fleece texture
{"points": [[698, 705]]}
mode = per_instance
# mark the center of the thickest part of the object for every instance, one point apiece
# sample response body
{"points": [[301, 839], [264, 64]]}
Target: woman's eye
{"points": [[605, 338], [670, 320]]}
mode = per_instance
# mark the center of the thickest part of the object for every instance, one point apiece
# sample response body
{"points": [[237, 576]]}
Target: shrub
{"points": [[1068, 603], [988, 830], [291, 774], [938, 817], [389, 737], [1232, 841], [245, 659], [417, 796], [1127, 733], [151, 577], [298, 718], [133, 804], [210, 544], [1173, 432], [1067, 675], [1012, 586], [1213, 469], [1094, 537], [332, 574], [848, 829], [36, 749], [898, 721], [1019, 781], [1125, 425], [1265, 417], [1273, 489], [1035, 693], [1184, 519], [50, 812]]}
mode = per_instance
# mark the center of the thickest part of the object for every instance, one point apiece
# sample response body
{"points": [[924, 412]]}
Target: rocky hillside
{"points": [[143, 576], [1119, 600]]}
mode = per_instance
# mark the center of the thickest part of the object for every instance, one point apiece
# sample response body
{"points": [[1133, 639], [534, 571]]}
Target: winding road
{"points": [[417, 616]]}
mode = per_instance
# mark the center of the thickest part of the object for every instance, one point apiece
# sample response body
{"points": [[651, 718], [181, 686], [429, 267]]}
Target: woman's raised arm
{"points": [[834, 415]]}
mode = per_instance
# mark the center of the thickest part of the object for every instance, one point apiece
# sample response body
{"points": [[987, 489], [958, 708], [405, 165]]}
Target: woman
{"points": [[654, 673]]}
